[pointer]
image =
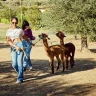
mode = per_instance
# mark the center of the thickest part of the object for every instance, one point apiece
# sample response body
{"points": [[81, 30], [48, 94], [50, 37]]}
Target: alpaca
{"points": [[53, 51], [69, 49]]}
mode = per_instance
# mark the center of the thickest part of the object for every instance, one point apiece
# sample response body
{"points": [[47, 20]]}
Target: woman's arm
{"points": [[9, 41], [26, 38], [27, 28], [31, 35]]}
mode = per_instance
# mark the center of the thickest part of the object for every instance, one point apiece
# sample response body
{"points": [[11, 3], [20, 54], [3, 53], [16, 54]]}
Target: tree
{"points": [[74, 16], [1, 10], [33, 16]]}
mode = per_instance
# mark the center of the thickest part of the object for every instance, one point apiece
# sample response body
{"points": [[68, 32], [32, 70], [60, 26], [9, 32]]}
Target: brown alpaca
{"points": [[53, 51], [69, 49]]}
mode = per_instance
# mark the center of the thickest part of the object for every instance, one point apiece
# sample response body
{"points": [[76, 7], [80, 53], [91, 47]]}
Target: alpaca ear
{"points": [[47, 37], [64, 36], [57, 34]]}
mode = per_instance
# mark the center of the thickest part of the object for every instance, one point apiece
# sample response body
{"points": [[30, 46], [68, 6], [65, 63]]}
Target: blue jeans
{"points": [[17, 60], [27, 61]]}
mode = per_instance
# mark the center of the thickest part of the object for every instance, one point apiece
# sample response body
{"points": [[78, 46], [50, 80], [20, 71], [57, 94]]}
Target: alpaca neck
{"points": [[46, 47], [61, 42]]}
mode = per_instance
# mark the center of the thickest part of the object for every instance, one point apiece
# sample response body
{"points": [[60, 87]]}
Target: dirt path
{"points": [[79, 81]]}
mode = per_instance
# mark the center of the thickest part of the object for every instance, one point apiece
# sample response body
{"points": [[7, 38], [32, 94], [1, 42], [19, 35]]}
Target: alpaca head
{"points": [[60, 35], [43, 36]]}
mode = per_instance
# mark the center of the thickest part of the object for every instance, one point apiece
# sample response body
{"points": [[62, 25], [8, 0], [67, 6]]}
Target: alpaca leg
{"points": [[59, 62], [64, 63], [71, 62], [52, 65], [66, 60], [72, 59], [73, 53]]}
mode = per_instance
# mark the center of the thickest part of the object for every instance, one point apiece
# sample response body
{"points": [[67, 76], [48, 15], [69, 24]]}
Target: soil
{"points": [[77, 81]]}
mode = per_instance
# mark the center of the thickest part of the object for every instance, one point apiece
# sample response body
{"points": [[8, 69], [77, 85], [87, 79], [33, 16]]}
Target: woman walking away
{"points": [[28, 33], [13, 37]]}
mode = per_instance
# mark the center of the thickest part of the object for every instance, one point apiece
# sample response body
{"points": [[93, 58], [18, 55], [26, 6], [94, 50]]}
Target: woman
{"points": [[13, 37], [28, 33]]}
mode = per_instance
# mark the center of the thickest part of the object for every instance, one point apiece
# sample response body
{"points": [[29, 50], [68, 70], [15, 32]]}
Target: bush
{"points": [[3, 20]]}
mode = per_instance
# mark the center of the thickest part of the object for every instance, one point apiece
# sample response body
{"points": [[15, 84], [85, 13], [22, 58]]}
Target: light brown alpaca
{"points": [[53, 51], [69, 49]]}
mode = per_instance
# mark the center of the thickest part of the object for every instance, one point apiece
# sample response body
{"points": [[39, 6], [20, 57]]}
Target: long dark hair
{"points": [[24, 24], [14, 18]]}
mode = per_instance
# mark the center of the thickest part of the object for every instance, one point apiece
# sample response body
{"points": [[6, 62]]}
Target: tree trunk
{"points": [[84, 44]]}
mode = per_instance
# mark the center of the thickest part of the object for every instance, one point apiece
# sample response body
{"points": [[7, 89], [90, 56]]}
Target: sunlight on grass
{"points": [[3, 29]]}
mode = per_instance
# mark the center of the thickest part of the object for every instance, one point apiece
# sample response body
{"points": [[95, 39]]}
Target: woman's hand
{"points": [[18, 48], [33, 44], [33, 38], [27, 27], [10, 42]]}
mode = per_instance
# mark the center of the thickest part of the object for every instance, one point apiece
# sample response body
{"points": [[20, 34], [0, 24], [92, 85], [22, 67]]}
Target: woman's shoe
{"points": [[30, 68], [24, 68], [17, 82]]}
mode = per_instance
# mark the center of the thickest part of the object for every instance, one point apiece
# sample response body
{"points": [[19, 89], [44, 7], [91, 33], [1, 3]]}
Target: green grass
{"points": [[3, 29]]}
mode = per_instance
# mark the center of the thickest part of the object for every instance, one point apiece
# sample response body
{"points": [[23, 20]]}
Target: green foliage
{"points": [[6, 13], [70, 16], [73, 16], [33, 16], [3, 20], [1, 6]]}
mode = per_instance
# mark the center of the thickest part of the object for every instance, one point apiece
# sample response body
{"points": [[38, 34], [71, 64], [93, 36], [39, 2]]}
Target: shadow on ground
{"points": [[93, 50], [36, 85], [4, 45]]}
